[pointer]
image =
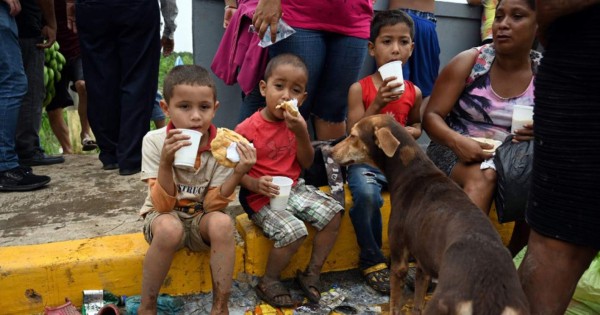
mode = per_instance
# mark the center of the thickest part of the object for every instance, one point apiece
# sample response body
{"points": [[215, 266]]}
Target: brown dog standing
{"points": [[433, 219]]}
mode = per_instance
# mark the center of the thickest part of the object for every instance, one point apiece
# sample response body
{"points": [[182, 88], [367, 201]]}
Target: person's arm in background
{"points": [[267, 13], [49, 29], [14, 7], [446, 91], [230, 8], [70, 7], [169, 12], [413, 123], [550, 10], [474, 2]]}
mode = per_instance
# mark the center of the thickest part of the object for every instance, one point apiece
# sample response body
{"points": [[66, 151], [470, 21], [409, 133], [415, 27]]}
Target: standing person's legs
{"points": [[87, 141], [139, 55], [60, 129], [55, 110], [311, 47], [30, 114], [345, 56], [13, 85], [555, 265], [101, 68]]}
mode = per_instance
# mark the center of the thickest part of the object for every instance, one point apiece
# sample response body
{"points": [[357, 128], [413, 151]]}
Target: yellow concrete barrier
{"points": [[37, 275], [343, 256]]}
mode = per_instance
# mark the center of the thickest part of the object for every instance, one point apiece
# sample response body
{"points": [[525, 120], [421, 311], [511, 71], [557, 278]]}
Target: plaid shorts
{"points": [[307, 203], [191, 229]]}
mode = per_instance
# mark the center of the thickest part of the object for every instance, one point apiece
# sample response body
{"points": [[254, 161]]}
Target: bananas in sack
{"points": [[53, 64]]}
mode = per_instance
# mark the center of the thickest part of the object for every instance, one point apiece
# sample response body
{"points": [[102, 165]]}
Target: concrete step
{"points": [[33, 276]]}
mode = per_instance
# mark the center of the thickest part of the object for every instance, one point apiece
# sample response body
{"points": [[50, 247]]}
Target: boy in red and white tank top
{"points": [[391, 40]]}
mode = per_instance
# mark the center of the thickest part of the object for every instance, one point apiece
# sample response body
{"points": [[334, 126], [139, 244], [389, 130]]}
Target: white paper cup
{"points": [[280, 201], [186, 156], [522, 114], [393, 69]]}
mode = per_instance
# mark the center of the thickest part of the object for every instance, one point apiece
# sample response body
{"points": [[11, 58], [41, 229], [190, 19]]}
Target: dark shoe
{"points": [[110, 167], [41, 158], [21, 179], [88, 144], [378, 278], [129, 171]]}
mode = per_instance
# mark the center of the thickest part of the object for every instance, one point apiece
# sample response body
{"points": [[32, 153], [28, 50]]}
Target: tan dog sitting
{"points": [[433, 219]]}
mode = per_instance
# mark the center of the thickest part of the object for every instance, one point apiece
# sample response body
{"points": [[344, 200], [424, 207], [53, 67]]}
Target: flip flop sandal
{"points": [[88, 144], [308, 284], [274, 290], [378, 278]]}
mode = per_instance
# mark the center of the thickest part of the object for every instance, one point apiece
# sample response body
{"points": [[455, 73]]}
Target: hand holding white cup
{"points": [[393, 69], [522, 115], [280, 201], [185, 157]]}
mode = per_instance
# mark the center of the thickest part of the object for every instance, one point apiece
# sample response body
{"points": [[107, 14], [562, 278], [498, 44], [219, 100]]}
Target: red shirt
{"points": [[399, 108], [276, 151]]}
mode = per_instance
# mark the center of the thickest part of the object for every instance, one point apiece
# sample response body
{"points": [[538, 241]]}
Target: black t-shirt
{"points": [[29, 20]]}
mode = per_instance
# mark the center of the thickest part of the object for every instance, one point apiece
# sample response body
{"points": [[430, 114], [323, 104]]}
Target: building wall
{"points": [[458, 29]]}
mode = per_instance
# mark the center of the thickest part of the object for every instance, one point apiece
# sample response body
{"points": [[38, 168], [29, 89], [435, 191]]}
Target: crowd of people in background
{"points": [[113, 53]]}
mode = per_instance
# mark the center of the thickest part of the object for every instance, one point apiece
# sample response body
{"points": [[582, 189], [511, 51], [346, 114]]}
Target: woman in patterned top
{"points": [[474, 97]]}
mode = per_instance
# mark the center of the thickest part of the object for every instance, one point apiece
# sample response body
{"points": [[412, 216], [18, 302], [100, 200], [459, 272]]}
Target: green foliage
{"points": [[167, 63]]}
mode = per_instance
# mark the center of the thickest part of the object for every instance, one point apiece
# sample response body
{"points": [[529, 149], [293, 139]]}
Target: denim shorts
{"points": [[334, 62]]}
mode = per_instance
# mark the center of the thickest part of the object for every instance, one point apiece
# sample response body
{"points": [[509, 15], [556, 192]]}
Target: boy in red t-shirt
{"points": [[283, 148], [391, 39]]}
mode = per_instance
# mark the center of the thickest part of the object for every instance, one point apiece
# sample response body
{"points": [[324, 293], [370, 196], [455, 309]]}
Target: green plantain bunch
{"points": [[53, 64]]}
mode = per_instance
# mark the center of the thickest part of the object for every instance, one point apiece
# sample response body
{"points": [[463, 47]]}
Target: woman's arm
{"points": [[413, 124], [446, 91]]}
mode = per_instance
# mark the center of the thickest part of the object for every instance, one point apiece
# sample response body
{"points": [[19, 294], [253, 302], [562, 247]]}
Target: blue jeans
{"points": [[334, 62], [13, 85], [366, 183]]}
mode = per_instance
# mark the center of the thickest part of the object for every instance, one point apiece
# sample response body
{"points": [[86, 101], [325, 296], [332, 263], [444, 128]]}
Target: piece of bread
{"points": [[493, 142], [290, 106], [221, 142]]}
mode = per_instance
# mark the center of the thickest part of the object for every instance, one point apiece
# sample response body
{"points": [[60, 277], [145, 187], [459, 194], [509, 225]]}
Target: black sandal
{"points": [[378, 278]]}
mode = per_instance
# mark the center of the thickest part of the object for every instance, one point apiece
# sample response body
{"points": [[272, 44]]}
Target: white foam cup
{"points": [[522, 114], [393, 69], [186, 156], [280, 201]]}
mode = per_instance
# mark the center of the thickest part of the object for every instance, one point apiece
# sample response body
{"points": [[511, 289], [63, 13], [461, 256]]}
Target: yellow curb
{"points": [[343, 256], [34, 276]]}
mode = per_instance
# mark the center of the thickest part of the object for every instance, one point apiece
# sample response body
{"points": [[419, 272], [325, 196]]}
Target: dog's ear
{"points": [[386, 141]]}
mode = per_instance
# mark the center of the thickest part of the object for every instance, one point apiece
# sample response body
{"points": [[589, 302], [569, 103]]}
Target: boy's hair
{"points": [[389, 18], [284, 59], [188, 75]]}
